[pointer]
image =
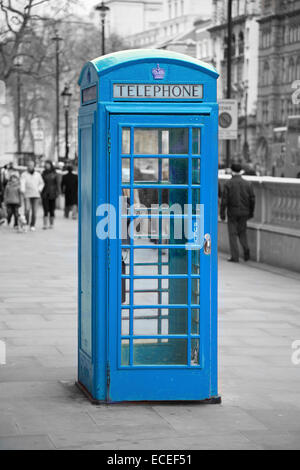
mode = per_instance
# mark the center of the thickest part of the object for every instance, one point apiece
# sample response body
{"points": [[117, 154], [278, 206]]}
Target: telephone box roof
{"points": [[118, 59]]}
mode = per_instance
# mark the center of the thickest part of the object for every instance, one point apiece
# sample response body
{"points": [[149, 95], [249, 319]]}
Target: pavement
{"points": [[40, 407]]}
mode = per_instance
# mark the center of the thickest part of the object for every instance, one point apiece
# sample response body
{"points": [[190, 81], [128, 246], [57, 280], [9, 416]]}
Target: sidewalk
{"points": [[40, 408]]}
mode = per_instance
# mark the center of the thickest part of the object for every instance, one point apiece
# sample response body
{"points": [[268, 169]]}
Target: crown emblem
{"points": [[158, 73]]}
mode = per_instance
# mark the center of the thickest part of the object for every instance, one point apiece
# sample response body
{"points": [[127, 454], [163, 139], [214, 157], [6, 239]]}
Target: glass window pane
{"points": [[195, 329], [196, 262], [195, 352], [125, 291], [154, 229], [125, 231], [196, 144], [160, 351], [195, 200], [145, 284], [158, 230], [125, 201], [125, 170], [151, 197], [179, 141], [179, 171], [146, 170], [178, 261], [165, 142], [125, 322], [125, 141], [146, 141], [160, 261], [151, 262], [151, 291], [160, 321], [196, 175], [176, 293], [150, 298], [196, 291], [161, 141], [125, 352], [161, 170], [145, 197], [125, 261]]}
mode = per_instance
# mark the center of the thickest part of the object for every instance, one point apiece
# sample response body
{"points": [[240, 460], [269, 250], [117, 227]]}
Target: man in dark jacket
{"points": [[69, 187], [239, 200], [1, 188]]}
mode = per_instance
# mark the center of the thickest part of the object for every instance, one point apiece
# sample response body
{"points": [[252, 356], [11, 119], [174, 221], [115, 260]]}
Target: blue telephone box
{"points": [[148, 153]]}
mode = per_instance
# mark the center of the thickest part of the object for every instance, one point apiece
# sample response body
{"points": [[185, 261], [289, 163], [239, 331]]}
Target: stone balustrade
{"points": [[274, 232]]}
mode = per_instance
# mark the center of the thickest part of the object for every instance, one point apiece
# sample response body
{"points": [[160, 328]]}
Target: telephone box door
{"points": [[159, 311]]}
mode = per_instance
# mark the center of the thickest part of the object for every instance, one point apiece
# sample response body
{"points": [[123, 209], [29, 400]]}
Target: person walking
{"points": [[50, 193], [238, 200], [13, 200], [7, 172], [2, 215], [32, 185], [1, 187], [69, 187]]}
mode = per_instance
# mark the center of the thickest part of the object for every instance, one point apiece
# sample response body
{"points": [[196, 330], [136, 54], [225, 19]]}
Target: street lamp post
{"points": [[57, 40], [229, 57], [246, 145], [66, 94], [103, 11]]}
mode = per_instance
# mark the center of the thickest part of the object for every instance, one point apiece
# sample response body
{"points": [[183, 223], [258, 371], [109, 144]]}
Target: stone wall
{"points": [[274, 232]]}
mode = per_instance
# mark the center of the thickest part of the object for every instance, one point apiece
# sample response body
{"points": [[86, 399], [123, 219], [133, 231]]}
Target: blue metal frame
{"points": [[101, 373], [185, 385]]}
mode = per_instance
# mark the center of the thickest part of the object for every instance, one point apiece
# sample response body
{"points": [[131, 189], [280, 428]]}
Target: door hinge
{"points": [[108, 142], [108, 375]]}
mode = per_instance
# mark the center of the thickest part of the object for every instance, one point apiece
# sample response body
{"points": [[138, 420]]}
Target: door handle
{"points": [[207, 244]]}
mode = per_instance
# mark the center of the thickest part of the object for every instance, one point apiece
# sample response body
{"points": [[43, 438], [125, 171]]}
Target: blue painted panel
{"points": [[86, 239]]}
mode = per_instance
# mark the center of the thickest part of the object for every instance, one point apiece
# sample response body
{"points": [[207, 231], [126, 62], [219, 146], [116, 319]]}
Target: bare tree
{"points": [[26, 32], [15, 32]]}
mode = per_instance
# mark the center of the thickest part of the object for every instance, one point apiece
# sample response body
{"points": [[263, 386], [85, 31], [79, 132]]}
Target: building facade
{"points": [[127, 17], [174, 28], [244, 43], [279, 68], [204, 46]]}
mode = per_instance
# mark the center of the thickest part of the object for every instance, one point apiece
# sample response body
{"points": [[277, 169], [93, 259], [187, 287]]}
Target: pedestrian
{"points": [[69, 187], [1, 188], [32, 185], [238, 200], [7, 172], [49, 194], [13, 200], [2, 210]]}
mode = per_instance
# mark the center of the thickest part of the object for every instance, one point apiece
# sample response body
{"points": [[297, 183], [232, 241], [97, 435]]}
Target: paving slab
{"points": [[26, 442], [40, 407], [8, 427]]}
